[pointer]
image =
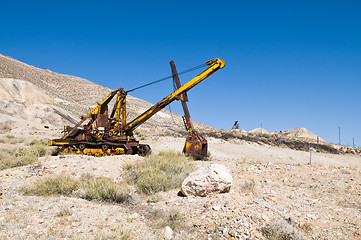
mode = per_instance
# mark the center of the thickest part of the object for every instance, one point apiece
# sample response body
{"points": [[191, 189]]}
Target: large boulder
{"points": [[214, 178]]}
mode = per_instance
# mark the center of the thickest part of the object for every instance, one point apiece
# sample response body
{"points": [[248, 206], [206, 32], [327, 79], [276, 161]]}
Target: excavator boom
{"points": [[214, 65]]}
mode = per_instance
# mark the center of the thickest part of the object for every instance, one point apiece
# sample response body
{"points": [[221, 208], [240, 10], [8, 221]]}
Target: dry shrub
{"points": [[64, 213], [16, 140], [9, 162], [6, 128], [119, 233], [282, 230], [15, 157], [104, 189], [43, 141], [87, 187], [154, 198], [38, 150], [249, 186], [11, 139], [161, 218], [55, 151], [9, 136], [53, 185], [160, 172]]}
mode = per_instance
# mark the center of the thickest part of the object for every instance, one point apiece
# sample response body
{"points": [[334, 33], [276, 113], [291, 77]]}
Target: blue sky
{"points": [[288, 63]]}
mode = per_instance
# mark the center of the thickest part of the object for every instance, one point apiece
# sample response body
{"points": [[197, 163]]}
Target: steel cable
{"points": [[162, 79]]}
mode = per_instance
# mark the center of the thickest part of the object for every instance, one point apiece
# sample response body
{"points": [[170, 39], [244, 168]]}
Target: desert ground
{"points": [[273, 187]]}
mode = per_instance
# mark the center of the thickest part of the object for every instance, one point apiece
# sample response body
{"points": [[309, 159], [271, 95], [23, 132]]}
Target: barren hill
{"points": [[302, 133], [294, 133], [64, 97]]}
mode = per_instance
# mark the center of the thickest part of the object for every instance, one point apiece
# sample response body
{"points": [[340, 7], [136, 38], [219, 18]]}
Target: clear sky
{"points": [[288, 63]]}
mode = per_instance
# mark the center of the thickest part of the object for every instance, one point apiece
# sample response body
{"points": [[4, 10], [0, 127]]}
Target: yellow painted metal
{"points": [[95, 151], [214, 65], [58, 142], [195, 147], [120, 111], [101, 152], [96, 110]]}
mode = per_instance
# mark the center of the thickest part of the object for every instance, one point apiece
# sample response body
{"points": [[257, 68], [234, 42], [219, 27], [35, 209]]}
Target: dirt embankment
{"points": [[278, 140]]}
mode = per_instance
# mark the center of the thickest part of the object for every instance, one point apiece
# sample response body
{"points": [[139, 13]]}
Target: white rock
{"points": [[167, 232], [217, 208], [225, 231], [214, 178]]}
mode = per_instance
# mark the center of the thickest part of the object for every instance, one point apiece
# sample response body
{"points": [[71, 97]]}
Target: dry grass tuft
{"points": [[64, 213], [24, 155], [249, 186], [160, 172], [282, 230], [87, 187], [117, 233], [43, 142], [104, 189], [53, 185], [161, 218], [5, 128], [15, 157]]}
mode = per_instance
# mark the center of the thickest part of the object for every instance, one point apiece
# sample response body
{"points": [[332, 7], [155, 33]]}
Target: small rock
{"points": [[306, 226], [232, 232], [290, 220], [9, 207], [210, 225], [311, 216], [216, 208], [225, 232], [167, 232]]}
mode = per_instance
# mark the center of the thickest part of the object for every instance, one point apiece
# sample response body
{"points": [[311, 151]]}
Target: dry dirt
{"points": [[319, 201]]}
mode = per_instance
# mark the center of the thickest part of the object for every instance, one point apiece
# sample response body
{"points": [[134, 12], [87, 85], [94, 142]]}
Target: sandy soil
{"points": [[319, 201]]}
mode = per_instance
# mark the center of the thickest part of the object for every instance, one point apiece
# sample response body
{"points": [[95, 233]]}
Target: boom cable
{"points": [[171, 76]]}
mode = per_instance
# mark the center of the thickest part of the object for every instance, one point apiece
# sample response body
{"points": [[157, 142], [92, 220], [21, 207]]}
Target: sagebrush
{"points": [[159, 172], [87, 187], [23, 155]]}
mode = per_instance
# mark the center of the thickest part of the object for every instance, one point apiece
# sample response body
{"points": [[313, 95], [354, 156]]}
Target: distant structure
{"points": [[235, 125]]}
